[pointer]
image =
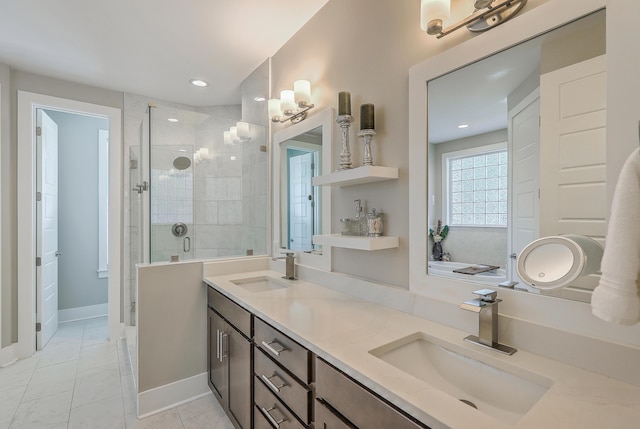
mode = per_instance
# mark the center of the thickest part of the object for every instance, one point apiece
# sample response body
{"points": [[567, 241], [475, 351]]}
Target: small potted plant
{"points": [[437, 236]]}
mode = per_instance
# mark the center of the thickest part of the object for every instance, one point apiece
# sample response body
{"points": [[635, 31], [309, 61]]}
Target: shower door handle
{"points": [[186, 244]]}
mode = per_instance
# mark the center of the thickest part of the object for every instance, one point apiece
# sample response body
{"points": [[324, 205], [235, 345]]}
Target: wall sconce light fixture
{"points": [[293, 104], [241, 132], [487, 14]]}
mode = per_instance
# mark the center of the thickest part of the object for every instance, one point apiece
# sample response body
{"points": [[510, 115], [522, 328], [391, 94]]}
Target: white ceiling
{"points": [[150, 47]]}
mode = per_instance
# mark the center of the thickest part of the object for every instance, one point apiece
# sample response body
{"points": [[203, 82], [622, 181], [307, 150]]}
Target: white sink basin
{"points": [[506, 394], [260, 284]]}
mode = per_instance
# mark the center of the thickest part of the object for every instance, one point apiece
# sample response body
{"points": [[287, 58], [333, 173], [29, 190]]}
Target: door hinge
{"points": [[38, 196], [38, 261], [38, 327], [38, 131]]}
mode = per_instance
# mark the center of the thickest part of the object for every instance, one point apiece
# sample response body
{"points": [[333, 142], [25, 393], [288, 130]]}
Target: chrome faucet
{"points": [[486, 305], [289, 265]]}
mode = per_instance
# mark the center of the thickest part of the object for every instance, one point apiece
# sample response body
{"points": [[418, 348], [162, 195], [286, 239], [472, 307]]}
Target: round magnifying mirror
{"points": [[556, 261]]}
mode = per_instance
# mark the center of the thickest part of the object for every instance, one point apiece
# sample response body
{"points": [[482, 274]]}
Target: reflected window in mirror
{"points": [[546, 98]]}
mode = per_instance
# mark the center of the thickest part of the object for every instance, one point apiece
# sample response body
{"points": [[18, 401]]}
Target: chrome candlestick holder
{"points": [[344, 121], [367, 137]]}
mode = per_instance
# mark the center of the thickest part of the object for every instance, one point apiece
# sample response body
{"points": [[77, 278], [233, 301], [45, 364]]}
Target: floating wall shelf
{"points": [[358, 243], [357, 176]]}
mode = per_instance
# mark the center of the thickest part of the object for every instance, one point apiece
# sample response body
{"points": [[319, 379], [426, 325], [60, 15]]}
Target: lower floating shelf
{"points": [[358, 243]]}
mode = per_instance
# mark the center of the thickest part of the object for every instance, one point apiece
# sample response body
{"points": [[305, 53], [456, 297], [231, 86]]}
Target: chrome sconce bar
{"points": [[487, 14]]}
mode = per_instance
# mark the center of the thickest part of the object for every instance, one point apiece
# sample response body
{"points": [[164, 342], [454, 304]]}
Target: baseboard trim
{"points": [[8, 355], [171, 395], [82, 313]]}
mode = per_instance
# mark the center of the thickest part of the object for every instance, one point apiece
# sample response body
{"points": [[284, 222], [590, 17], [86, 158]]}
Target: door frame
{"points": [[28, 102]]}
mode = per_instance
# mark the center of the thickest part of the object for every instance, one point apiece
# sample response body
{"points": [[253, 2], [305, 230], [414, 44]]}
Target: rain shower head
{"points": [[181, 163]]}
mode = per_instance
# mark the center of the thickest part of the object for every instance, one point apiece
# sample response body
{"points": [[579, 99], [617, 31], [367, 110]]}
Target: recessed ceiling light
{"points": [[463, 126], [233, 157], [259, 99], [198, 82], [172, 120]]}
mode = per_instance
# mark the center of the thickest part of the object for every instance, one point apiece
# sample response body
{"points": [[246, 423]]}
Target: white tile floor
{"points": [[81, 380]]}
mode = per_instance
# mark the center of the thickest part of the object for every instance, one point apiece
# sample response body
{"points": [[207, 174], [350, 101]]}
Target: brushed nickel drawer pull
{"points": [[271, 384], [267, 413], [274, 347], [218, 344], [223, 353]]}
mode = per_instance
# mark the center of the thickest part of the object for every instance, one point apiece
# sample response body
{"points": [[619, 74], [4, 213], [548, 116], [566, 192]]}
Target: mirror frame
{"points": [[325, 119], [531, 24]]}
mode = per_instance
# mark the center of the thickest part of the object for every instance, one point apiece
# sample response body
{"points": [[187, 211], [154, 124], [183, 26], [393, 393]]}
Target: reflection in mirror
{"points": [[516, 152], [303, 151], [301, 201]]}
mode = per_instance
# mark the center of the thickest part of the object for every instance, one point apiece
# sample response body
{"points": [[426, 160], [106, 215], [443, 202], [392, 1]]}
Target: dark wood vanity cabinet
{"points": [[229, 357], [342, 403], [283, 373]]}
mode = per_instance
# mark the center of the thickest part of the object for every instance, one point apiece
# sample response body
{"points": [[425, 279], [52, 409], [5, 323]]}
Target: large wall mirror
{"points": [[516, 150], [301, 210]]}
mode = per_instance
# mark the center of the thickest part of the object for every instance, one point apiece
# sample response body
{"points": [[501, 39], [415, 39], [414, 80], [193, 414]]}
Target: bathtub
{"points": [[445, 269]]}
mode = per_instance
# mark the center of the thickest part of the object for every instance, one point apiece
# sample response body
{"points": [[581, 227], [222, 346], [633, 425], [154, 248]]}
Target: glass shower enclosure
{"points": [[192, 195]]}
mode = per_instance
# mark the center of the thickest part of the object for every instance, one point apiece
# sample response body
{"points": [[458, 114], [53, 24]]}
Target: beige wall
{"points": [[367, 48], [172, 324], [13, 81]]}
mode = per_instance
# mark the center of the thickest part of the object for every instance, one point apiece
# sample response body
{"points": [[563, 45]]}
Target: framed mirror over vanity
{"points": [[300, 210], [508, 144]]}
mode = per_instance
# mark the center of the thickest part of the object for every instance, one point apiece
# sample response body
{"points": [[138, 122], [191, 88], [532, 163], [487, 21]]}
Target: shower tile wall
{"points": [[230, 196]]}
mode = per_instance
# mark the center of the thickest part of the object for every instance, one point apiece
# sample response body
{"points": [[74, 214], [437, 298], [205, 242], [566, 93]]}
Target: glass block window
{"points": [[476, 187]]}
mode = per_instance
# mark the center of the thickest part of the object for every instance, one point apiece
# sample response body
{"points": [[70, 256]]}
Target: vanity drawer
{"points": [[355, 403], [285, 351], [283, 385], [272, 410], [236, 315], [326, 419]]}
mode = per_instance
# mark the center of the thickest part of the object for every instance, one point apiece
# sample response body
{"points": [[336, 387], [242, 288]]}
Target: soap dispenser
{"points": [[360, 221]]}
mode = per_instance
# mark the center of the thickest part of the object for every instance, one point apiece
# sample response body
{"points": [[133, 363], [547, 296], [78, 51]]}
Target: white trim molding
{"points": [[83, 313], [171, 395], [27, 104]]}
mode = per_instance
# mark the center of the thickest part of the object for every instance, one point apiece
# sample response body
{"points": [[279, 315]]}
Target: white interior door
{"points": [[300, 201], [47, 229], [524, 132], [573, 135]]}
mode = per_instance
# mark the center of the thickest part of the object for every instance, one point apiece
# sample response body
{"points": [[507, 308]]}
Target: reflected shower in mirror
{"points": [[517, 152]]}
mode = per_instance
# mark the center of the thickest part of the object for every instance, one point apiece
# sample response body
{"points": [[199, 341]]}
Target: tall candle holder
{"points": [[367, 137], [344, 121]]}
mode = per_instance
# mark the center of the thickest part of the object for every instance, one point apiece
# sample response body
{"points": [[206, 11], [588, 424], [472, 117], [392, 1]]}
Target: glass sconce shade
{"points": [[302, 92], [243, 129], [434, 13], [287, 100], [275, 109], [227, 138], [234, 134]]}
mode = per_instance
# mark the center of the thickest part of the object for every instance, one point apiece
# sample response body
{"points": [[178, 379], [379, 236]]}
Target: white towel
{"points": [[616, 298]]}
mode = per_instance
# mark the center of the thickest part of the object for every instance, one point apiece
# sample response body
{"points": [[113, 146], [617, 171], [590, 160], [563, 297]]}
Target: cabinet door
{"points": [[218, 374], [238, 356]]}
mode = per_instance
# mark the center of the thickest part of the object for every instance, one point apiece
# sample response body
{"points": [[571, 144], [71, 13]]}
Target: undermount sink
{"points": [[260, 284], [500, 393]]}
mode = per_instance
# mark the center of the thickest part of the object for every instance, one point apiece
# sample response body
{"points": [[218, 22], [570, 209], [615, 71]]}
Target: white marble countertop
{"points": [[342, 329]]}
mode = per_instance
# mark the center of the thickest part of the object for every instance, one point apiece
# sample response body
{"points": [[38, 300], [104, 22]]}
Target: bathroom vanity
{"points": [[333, 360]]}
